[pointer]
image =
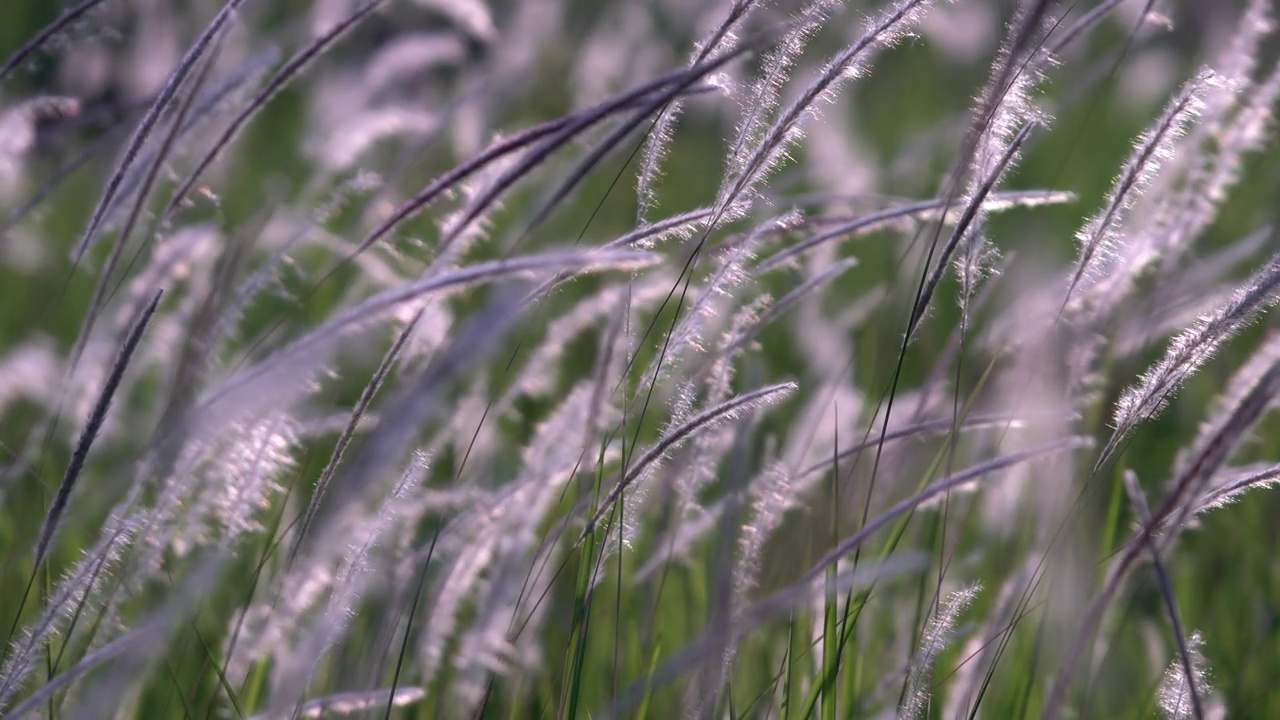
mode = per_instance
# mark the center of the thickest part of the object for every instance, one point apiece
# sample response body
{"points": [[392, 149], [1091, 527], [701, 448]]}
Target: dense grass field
{"points": [[639, 359]]}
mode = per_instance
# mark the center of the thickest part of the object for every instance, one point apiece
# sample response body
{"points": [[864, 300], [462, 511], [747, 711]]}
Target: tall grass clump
{"points": [[540, 358]]}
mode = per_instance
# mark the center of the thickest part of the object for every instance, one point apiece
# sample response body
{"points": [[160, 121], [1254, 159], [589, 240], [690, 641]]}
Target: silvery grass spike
{"points": [[1185, 355], [1139, 500], [662, 130], [938, 634], [960, 236], [304, 350], [1190, 350], [79, 587], [293, 68], [1184, 683], [150, 175], [889, 28], [90, 432], [68, 18], [149, 121], [544, 139], [675, 436], [923, 209]]}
